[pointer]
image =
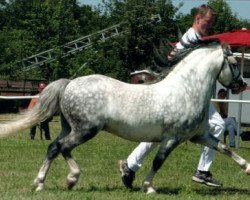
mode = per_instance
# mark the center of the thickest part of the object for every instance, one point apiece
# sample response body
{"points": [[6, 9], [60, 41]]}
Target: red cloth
{"points": [[235, 38]]}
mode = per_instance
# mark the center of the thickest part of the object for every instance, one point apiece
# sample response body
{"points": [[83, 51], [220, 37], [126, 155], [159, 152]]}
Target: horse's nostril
{"points": [[242, 84]]}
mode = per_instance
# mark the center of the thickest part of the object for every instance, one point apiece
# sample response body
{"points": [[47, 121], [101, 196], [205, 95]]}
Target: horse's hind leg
{"points": [[69, 143], [213, 143], [166, 147], [52, 152], [63, 144], [65, 148], [74, 174]]}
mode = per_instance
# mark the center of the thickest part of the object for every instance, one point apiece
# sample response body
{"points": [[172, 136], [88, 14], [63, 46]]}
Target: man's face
{"points": [[41, 86], [204, 23], [222, 95]]}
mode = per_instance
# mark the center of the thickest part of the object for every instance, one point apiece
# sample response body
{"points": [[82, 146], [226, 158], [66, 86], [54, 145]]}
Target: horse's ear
{"points": [[226, 48], [225, 45]]}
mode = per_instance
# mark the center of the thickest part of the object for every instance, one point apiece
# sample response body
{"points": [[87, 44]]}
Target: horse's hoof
{"points": [[71, 182], [248, 169], [151, 190], [70, 185], [148, 188], [40, 187]]}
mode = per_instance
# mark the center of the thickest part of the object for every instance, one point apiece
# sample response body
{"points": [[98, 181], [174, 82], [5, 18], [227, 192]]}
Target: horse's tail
{"points": [[48, 104]]}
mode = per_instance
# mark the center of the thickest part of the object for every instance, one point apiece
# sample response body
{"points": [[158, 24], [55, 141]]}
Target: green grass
{"points": [[21, 158]]}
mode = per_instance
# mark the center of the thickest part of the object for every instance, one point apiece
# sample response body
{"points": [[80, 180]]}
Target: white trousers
{"points": [[231, 127], [217, 127]]}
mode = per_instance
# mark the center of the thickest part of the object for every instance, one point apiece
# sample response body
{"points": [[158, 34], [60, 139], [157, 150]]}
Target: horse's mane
{"points": [[168, 65]]}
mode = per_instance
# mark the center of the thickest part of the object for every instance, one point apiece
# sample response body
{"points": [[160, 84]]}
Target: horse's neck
{"points": [[197, 74]]}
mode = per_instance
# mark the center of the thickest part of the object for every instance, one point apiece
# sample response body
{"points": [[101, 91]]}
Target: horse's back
{"points": [[88, 92], [94, 93]]}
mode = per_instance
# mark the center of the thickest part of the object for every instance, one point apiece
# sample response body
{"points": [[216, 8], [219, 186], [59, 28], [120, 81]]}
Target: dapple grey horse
{"points": [[170, 111]]}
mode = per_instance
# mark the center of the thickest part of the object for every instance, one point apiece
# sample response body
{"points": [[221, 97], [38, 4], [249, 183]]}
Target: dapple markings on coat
{"points": [[170, 111]]}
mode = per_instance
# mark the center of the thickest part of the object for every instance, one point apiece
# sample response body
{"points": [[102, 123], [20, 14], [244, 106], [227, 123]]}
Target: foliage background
{"points": [[30, 27]]}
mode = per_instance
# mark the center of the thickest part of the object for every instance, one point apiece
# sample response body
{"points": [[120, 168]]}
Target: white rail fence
{"points": [[17, 97]]}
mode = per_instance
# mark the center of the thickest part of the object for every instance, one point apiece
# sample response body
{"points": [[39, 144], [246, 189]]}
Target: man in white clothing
{"points": [[203, 20], [230, 122]]}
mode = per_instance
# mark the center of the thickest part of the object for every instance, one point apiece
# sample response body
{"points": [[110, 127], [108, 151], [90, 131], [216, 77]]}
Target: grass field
{"points": [[21, 158]]}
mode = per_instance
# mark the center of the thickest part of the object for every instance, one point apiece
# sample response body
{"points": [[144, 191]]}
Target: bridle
{"points": [[236, 75], [237, 80]]}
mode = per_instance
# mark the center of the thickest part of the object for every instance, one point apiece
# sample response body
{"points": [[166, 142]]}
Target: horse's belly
{"points": [[145, 133]]}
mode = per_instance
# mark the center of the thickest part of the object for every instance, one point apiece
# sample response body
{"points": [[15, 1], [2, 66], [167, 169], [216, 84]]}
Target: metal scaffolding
{"points": [[78, 44]]}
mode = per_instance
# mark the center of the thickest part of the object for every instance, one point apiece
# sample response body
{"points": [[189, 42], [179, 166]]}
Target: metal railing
{"points": [[79, 44]]}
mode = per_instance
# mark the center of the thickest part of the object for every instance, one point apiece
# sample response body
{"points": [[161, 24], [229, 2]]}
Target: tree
{"points": [[225, 20], [30, 27], [142, 32]]}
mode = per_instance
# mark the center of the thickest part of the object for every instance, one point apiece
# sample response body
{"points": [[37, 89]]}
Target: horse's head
{"points": [[230, 75]]}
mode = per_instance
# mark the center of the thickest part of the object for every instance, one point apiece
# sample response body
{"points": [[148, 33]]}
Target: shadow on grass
{"points": [[205, 192], [224, 191], [90, 189], [165, 191], [168, 191], [177, 191]]}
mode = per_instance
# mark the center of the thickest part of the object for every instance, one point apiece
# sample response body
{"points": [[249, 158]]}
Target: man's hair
{"points": [[203, 10], [222, 91]]}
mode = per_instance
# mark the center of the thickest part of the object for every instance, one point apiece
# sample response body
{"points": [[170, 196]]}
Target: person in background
{"points": [[44, 126], [203, 20], [230, 123]]}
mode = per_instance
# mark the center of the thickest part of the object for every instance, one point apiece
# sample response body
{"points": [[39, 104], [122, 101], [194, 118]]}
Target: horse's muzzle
{"points": [[239, 86]]}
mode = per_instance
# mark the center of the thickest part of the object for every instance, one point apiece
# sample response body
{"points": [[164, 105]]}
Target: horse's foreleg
{"points": [[212, 142], [166, 147], [238, 159]]}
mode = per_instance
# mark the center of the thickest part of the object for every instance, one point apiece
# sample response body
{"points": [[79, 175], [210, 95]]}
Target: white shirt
{"points": [[191, 36]]}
